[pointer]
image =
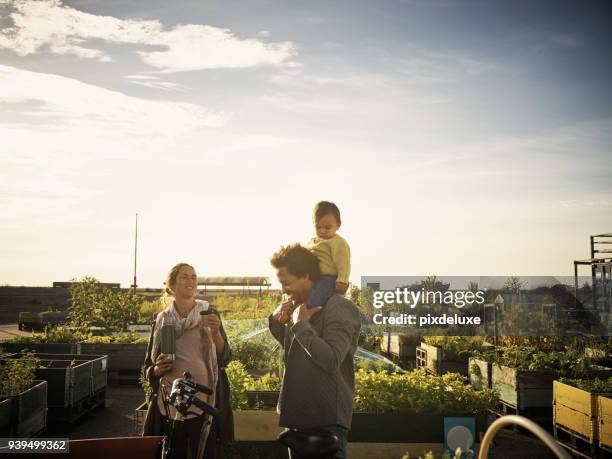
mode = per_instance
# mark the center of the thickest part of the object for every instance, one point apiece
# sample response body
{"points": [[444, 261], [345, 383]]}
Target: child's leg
{"points": [[322, 290]]}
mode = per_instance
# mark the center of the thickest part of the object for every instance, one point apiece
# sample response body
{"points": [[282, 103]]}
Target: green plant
{"points": [[17, 375], [255, 355], [458, 344], [239, 379], [58, 334], [269, 381], [119, 309], [374, 365], [418, 392], [595, 386], [568, 363], [145, 385]]}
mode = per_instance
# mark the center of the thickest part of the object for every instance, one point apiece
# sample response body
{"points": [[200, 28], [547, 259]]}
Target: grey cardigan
{"points": [[319, 382]]}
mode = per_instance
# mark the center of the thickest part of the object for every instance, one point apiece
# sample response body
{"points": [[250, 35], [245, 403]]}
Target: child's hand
{"points": [[341, 287]]}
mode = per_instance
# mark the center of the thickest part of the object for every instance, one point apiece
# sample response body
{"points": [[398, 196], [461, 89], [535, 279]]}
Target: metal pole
{"points": [[525, 423], [135, 252]]}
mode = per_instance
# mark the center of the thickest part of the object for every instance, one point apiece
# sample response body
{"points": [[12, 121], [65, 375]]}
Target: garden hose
{"points": [[525, 424]]}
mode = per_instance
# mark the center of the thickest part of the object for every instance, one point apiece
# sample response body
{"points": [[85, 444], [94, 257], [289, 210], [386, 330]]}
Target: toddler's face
{"points": [[327, 226]]}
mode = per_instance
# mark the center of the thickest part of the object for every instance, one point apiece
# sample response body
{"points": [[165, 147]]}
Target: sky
{"points": [[457, 137]]}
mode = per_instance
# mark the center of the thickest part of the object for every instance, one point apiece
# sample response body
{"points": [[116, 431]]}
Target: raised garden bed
{"points": [[30, 411], [6, 413], [439, 361], [604, 415], [529, 389], [124, 360], [25, 414], [575, 409], [262, 398], [49, 348], [76, 384]]}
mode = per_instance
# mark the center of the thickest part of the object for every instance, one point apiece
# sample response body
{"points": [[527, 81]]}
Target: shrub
{"points": [[17, 375], [254, 355], [418, 392], [92, 303], [239, 379], [458, 344], [269, 381]]}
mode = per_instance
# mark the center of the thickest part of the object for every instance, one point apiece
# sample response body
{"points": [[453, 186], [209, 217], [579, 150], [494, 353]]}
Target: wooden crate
{"points": [[140, 414], [604, 418], [440, 361], [524, 389], [30, 417], [575, 409]]}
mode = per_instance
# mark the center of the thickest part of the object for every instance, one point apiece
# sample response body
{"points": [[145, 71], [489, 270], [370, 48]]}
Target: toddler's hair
{"points": [[323, 208]]}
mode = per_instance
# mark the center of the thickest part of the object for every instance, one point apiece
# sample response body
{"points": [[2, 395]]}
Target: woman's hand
{"points": [[163, 364], [213, 322]]}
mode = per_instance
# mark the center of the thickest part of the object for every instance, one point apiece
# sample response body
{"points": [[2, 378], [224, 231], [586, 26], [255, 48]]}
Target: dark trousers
{"points": [[186, 438], [338, 431], [321, 291]]}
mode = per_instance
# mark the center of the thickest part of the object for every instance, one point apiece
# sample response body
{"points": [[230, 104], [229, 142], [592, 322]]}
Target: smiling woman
{"points": [[201, 349]]}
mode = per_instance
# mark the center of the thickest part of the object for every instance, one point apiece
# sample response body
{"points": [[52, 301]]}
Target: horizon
{"points": [[457, 137]]}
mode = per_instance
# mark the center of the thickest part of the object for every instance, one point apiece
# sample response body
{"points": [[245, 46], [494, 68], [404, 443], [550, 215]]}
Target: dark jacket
{"points": [[224, 420], [319, 382]]}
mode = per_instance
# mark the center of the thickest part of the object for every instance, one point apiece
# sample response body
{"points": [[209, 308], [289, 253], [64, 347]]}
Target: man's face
{"points": [[298, 288]]}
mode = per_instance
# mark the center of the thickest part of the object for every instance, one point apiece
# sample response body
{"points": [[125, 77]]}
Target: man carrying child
{"points": [[320, 343]]}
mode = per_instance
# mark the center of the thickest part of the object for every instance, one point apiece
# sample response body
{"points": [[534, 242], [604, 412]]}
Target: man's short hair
{"points": [[324, 208], [298, 260]]}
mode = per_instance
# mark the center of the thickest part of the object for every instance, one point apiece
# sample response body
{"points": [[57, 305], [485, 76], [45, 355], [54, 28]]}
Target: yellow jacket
{"points": [[334, 256]]}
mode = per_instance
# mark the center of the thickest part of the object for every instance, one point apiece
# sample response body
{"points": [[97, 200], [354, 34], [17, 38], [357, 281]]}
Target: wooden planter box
{"points": [[403, 347], [124, 360], [575, 410], [71, 380], [372, 436], [140, 414], [440, 361], [6, 415], [524, 389], [604, 417], [529, 389], [99, 367], [268, 399], [30, 411], [480, 373]]}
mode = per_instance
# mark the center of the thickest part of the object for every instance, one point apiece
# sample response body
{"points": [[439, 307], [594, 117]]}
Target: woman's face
{"points": [[186, 283]]}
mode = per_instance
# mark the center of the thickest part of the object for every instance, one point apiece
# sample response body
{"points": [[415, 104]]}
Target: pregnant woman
{"points": [[202, 350]]}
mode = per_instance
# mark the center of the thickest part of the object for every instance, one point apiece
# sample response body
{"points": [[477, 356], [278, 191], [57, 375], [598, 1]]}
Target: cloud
{"points": [[58, 127], [49, 26], [62, 101], [151, 81]]}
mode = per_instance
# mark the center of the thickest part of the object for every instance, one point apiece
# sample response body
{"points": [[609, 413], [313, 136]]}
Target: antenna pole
{"points": [[135, 253]]}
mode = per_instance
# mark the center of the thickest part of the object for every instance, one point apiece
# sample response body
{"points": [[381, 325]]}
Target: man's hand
{"points": [[341, 287], [283, 312], [212, 321], [163, 365], [303, 313]]}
